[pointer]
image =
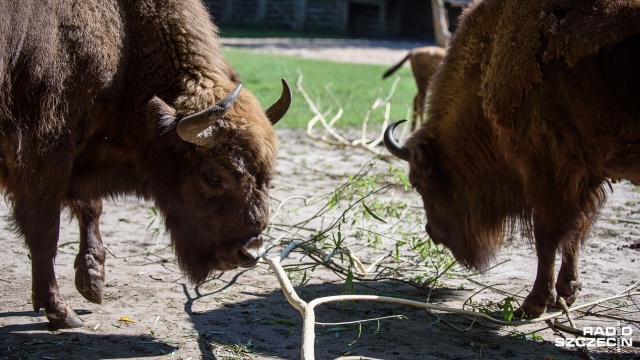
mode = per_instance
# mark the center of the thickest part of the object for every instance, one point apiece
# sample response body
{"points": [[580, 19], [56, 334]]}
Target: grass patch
{"points": [[356, 86]]}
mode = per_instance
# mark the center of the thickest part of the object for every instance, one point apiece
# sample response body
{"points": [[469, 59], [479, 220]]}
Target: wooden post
{"points": [[343, 25], [440, 23], [299, 15], [382, 16], [261, 11], [227, 10]]}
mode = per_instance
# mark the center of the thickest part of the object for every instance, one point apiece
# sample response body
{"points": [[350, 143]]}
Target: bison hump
{"points": [[513, 39]]}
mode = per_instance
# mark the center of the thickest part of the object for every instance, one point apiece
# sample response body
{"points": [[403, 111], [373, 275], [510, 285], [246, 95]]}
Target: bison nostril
{"points": [[250, 252]]}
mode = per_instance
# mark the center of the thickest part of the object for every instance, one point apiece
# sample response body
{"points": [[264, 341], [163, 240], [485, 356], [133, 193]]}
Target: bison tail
{"points": [[395, 67]]}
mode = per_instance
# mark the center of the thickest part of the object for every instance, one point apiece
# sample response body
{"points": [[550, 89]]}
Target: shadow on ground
{"points": [[22, 342], [265, 326], [269, 327]]}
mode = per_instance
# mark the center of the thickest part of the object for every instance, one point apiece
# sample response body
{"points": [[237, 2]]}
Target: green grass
{"points": [[356, 86]]}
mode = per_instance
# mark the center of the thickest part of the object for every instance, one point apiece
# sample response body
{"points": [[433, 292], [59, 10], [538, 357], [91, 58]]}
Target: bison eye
{"points": [[212, 180]]}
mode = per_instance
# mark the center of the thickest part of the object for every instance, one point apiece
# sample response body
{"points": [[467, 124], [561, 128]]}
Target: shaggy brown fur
{"points": [[532, 112], [91, 93], [424, 63]]}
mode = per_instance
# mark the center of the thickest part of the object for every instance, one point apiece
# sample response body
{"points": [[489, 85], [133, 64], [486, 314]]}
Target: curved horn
{"points": [[392, 145], [189, 127], [276, 111]]}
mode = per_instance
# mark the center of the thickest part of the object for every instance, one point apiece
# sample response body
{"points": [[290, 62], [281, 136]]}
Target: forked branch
{"points": [[334, 137], [308, 313]]}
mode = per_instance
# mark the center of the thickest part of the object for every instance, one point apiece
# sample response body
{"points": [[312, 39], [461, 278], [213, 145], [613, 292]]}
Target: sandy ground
{"points": [[362, 51], [244, 314]]}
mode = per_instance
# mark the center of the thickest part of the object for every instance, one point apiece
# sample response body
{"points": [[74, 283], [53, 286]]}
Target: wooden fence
{"points": [[391, 18]]}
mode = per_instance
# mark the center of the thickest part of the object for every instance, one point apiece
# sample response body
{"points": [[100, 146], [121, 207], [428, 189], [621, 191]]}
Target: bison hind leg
{"points": [[89, 262], [63, 317], [567, 284], [568, 291], [89, 277]]}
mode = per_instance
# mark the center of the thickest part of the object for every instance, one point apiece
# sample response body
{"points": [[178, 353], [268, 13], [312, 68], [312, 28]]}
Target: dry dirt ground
{"points": [[244, 315]]}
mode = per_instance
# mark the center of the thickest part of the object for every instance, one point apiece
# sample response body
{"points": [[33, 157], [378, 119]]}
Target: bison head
{"points": [[213, 192], [458, 206]]}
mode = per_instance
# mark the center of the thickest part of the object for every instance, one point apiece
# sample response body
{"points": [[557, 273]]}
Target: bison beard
{"points": [[109, 98], [532, 112]]}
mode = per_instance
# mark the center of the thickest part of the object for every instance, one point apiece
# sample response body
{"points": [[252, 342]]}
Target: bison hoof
{"points": [[529, 312], [533, 306], [89, 277], [64, 318], [568, 291]]}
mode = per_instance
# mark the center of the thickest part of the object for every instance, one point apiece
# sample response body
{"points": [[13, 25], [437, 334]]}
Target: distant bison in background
{"points": [[535, 108], [424, 63], [232, 73], [107, 98]]}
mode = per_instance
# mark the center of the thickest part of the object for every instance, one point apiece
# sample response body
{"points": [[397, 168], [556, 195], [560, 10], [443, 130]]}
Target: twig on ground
{"points": [[565, 309], [441, 320], [621, 220], [308, 315], [277, 212], [499, 291], [361, 321], [335, 138]]}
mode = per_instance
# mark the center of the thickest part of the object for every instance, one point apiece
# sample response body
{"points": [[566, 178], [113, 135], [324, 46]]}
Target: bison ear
{"points": [[424, 156], [164, 114]]}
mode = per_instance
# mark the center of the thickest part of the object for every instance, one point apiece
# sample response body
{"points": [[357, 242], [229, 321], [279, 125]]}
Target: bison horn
{"points": [[276, 111], [392, 145], [189, 127]]}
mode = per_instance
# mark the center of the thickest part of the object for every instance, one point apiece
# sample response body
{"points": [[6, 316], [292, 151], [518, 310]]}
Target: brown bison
{"points": [[424, 63], [534, 110], [107, 98]]}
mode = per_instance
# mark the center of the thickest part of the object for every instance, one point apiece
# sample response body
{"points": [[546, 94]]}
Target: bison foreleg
{"points": [[40, 229], [419, 102], [89, 263], [45, 294], [543, 292]]}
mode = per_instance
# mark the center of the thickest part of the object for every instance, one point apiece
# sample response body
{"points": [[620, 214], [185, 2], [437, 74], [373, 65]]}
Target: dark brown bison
{"points": [[424, 63], [534, 110], [107, 98]]}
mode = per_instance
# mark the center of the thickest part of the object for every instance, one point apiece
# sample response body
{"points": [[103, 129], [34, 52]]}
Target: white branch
{"points": [[277, 212], [337, 139], [319, 116], [308, 314]]}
